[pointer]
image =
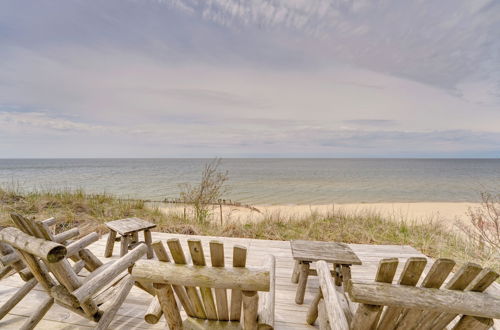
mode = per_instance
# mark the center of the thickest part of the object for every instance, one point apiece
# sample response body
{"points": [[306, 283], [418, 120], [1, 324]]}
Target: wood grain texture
{"points": [[198, 257], [129, 225], [448, 301], [338, 253], [239, 260], [409, 276], [217, 259], [336, 317]]}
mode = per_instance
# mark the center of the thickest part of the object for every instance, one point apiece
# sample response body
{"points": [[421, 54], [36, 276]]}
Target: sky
{"points": [[254, 78]]}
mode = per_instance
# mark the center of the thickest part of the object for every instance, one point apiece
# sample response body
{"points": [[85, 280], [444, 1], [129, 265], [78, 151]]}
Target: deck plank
{"points": [[130, 316]]}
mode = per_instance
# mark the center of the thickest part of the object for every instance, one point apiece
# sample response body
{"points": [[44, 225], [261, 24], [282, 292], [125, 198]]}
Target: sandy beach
{"points": [[443, 212]]}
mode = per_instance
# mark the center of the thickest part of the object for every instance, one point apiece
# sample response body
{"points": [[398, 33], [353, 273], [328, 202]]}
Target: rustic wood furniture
{"points": [[12, 263], [186, 281], [128, 229], [306, 252], [383, 305], [97, 297]]}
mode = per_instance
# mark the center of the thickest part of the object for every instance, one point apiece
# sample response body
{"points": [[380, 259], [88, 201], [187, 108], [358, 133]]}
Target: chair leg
{"points": [[125, 286], [323, 319], [17, 297], [312, 312], [37, 315]]}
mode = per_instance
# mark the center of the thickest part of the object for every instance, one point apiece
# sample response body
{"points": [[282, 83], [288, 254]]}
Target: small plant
{"points": [[484, 223], [208, 191]]}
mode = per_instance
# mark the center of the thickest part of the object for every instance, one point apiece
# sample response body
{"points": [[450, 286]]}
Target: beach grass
{"points": [[89, 212]]}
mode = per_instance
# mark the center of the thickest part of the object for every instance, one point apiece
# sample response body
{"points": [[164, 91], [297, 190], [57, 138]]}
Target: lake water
{"points": [[269, 181]]}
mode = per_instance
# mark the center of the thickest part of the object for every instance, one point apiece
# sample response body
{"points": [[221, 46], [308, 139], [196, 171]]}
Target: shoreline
{"points": [[423, 212]]}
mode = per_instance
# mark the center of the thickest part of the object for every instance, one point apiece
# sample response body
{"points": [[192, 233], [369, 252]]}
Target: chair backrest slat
{"points": [[367, 316], [179, 258], [239, 260], [478, 284], [208, 279], [62, 270], [409, 276], [198, 257], [217, 258], [434, 279], [459, 281]]}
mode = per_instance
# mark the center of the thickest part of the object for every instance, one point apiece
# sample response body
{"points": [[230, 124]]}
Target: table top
{"points": [[129, 225], [338, 253]]}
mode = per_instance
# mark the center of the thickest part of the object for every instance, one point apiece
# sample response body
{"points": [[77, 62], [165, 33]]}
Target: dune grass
{"points": [[89, 212]]}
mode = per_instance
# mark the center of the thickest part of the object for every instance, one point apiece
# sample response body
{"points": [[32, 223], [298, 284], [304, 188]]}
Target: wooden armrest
{"points": [[266, 304], [49, 221], [332, 300], [93, 285], [81, 243], [47, 250], [65, 235], [440, 300], [245, 279]]}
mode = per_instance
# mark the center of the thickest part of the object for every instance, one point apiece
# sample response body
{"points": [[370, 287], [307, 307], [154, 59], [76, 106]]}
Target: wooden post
{"points": [[148, 241], [198, 257], [169, 306], [312, 312], [239, 260], [295, 273], [301, 288], [250, 308], [110, 244], [266, 306], [124, 245], [217, 258], [221, 222]]}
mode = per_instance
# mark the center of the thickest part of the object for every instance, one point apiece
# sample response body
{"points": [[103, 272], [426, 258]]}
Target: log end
{"points": [[57, 253], [151, 318]]}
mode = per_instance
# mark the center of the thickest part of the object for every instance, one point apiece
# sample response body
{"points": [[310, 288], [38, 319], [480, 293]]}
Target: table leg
{"points": [[295, 273], [338, 274], [301, 288], [135, 237], [148, 240], [110, 244], [346, 275], [124, 245]]}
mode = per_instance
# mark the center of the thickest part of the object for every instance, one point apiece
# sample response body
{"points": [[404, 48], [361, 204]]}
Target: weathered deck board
{"points": [[130, 316]]}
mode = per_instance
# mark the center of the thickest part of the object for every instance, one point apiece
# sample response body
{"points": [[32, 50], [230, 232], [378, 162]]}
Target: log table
{"points": [[128, 229], [305, 252]]}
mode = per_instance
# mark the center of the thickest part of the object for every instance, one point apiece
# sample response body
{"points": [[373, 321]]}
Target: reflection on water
{"points": [[269, 181]]}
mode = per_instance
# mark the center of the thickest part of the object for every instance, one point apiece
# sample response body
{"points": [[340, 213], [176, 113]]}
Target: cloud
{"points": [[371, 122], [224, 77]]}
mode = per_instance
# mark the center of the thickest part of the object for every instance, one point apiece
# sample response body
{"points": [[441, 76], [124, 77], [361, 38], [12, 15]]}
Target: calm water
{"points": [[269, 181]]}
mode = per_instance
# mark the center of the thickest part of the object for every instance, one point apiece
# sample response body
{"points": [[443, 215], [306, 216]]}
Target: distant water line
{"points": [[268, 181]]}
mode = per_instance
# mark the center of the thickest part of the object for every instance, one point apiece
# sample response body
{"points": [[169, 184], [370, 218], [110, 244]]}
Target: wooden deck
{"points": [[130, 316]]}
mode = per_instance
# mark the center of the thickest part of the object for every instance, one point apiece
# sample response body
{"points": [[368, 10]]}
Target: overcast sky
{"points": [[241, 78]]}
